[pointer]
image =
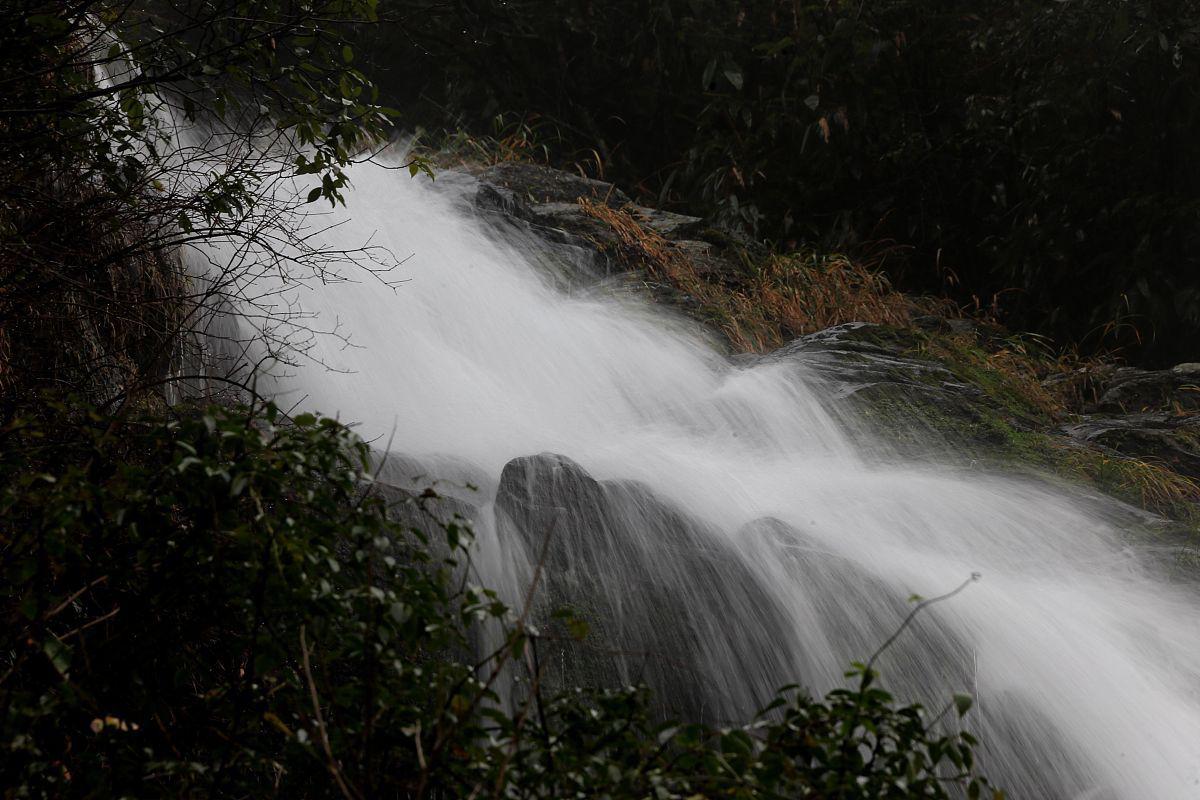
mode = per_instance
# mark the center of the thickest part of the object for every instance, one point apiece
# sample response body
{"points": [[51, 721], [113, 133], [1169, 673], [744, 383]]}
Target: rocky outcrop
{"points": [[519, 185], [913, 404], [654, 584], [431, 507], [906, 391], [1152, 415], [1126, 390], [1162, 438], [547, 202]]}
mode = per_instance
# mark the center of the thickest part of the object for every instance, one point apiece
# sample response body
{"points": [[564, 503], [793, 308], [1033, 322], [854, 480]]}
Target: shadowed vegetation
{"points": [[1035, 158]]}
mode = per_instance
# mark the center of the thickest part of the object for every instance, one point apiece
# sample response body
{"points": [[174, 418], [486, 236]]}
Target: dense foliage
{"points": [[1038, 157], [223, 604], [130, 129]]}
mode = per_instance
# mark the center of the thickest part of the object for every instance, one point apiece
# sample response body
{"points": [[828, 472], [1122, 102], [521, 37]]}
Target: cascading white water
{"points": [[775, 549]]}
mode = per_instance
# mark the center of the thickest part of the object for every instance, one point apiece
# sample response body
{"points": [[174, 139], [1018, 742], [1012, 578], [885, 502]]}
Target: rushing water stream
{"points": [[722, 527]]}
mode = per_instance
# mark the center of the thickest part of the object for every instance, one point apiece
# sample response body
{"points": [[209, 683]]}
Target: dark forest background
{"points": [[1038, 160]]}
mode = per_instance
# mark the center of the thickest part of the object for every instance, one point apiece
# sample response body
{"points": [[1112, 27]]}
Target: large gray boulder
{"points": [[668, 600]]}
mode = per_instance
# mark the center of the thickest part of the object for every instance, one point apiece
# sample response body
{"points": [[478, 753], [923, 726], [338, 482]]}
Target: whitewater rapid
{"points": [[1084, 663]]}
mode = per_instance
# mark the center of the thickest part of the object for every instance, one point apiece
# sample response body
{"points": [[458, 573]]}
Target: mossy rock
{"points": [[939, 388], [917, 394], [912, 404]]}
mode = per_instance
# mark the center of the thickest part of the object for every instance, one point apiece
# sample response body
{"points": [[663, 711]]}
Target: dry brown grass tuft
{"points": [[1153, 486], [810, 292], [772, 302], [1023, 375], [747, 327]]}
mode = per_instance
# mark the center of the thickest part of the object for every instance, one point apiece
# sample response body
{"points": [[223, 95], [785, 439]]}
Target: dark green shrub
{"points": [[216, 605], [174, 585], [131, 130], [1034, 157]]}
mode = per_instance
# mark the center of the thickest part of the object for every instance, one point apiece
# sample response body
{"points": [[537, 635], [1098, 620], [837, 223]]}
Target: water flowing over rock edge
{"points": [[519, 344]]}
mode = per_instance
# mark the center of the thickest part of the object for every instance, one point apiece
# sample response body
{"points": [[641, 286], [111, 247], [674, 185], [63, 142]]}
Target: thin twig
{"points": [[331, 762], [912, 615], [85, 626], [63, 605]]}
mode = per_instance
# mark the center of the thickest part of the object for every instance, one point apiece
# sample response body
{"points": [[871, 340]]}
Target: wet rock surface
{"points": [[547, 201], [1149, 415], [533, 184], [654, 584], [910, 402], [913, 402], [418, 501], [1163, 438], [856, 611], [1127, 390]]}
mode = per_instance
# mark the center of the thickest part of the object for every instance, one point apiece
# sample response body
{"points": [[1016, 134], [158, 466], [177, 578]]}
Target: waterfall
{"points": [[718, 521]]}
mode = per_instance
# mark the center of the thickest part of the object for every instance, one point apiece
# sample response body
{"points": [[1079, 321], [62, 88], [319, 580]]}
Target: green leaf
{"points": [[314, 195], [59, 654], [733, 74], [46, 23], [963, 703], [737, 741], [578, 628], [29, 606]]}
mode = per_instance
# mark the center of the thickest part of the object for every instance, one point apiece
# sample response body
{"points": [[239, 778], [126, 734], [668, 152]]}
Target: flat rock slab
{"points": [[1169, 440]]}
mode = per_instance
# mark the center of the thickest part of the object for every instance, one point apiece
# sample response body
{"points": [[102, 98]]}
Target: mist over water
{"points": [[725, 510]]}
